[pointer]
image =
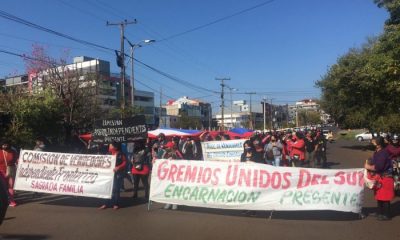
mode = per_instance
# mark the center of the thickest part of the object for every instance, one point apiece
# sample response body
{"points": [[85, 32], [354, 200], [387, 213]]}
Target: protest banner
{"points": [[227, 151], [252, 186], [120, 130], [65, 174]]}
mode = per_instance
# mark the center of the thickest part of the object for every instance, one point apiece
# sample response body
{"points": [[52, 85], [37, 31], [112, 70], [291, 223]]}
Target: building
{"points": [[145, 101], [93, 74], [192, 108], [308, 105]]}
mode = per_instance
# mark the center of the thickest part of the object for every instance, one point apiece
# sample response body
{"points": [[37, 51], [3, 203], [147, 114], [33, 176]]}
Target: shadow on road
{"points": [[360, 147], [71, 201], [23, 197], [394, 209], [279, 215], [23, 236]]}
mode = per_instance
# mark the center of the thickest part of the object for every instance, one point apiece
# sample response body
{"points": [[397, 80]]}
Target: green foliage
{"points": [[127, 112], [31, 116], [307, 117], [187, 122], [363, 88]]}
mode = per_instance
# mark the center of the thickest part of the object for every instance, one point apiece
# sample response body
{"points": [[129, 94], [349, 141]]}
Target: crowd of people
{"points": [[290, 149]]}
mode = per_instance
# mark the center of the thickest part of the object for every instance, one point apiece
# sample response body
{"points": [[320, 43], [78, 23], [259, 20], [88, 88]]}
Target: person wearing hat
{"points": [[8, 160]]}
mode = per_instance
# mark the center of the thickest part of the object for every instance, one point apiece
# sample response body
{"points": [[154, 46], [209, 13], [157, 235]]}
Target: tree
{"points": [[187, 122], [362, 89], [74, 86], [31, 116], [308, 117]]}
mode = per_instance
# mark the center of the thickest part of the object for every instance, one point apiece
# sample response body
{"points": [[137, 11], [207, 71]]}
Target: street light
{"points": [[133, 47]]}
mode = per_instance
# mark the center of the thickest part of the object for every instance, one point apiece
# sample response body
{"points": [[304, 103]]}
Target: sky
{"points": [[277, 50]]}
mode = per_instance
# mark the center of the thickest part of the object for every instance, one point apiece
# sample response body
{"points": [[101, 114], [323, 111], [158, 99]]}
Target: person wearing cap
{"points": [[8, 161], [119, 173]]}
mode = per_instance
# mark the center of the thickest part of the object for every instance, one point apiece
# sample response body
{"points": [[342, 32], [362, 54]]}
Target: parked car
{"points": [[368, 136]]}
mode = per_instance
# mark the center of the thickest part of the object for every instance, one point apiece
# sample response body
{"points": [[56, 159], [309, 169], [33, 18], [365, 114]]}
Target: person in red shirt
{"points": [[119, 173], [8, 158], [298, 150]]}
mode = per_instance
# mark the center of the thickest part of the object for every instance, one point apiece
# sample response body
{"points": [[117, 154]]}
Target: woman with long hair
{"points": [[381, 165]]}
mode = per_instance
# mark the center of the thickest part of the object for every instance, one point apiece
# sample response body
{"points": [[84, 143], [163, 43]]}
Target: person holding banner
{"points": [[8, 160], [140, 169], [119, 173], [381, 165]]}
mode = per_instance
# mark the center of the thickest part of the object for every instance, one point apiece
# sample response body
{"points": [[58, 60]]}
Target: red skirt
{"points": [[386, 191], [144, 171]]}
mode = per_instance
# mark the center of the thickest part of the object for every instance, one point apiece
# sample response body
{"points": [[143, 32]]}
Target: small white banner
{"points": [[65, 174], [252, 186], [227, 151]]}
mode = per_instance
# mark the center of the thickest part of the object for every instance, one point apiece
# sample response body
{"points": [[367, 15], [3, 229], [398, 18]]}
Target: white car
{"points": [[368, 136]]}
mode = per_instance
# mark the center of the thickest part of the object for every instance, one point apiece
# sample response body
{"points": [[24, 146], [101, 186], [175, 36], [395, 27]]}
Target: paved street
{"points": [[60, 217]]}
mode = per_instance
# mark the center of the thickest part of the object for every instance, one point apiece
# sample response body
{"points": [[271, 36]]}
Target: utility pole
{"points": [[264, 113], [270, 109], [210, 118], [230, 91], [132, 79], [222, 100], [251, 126], [160, 110], [121, 58]]}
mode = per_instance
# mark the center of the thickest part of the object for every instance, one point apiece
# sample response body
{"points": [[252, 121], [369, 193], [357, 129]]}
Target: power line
{"points": [[217, 20], [83, 11], [175, 79], [41, 28], [44, 29]]}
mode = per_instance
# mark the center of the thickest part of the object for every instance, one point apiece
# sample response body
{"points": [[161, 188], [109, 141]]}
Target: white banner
{"points": [[227, 151], [65, 174], [252, 186]]}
